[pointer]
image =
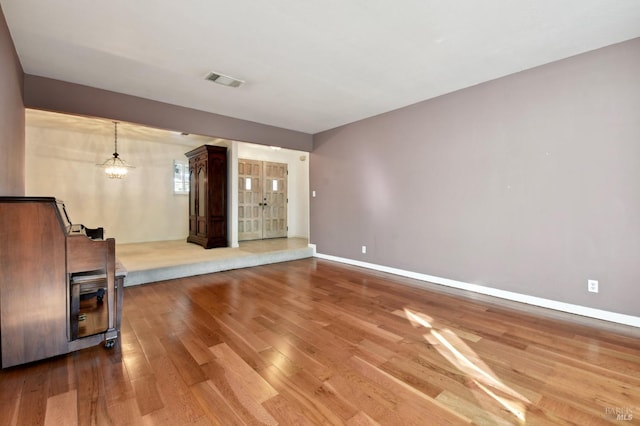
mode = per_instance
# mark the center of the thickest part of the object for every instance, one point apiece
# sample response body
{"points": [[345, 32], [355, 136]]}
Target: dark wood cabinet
{"points": [[208, 196]]}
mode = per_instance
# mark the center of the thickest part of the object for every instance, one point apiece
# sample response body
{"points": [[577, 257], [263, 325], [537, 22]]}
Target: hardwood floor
{"points": [[315, 342]]}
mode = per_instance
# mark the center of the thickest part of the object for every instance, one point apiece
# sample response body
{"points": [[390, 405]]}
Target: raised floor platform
{"points": [[164, 260]]}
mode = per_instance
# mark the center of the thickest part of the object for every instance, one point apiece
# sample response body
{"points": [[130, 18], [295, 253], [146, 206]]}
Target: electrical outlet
{"points": [[364, 249], [592, 286]]}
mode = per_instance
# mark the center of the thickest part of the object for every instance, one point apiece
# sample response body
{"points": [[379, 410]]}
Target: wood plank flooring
{"points": [[315, 342]]}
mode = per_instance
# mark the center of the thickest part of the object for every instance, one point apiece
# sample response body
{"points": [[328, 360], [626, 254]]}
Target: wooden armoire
{"points": [[208, 196]]}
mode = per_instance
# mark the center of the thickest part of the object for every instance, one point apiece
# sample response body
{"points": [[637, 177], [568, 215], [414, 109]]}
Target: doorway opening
{"points": [[262, 200]]}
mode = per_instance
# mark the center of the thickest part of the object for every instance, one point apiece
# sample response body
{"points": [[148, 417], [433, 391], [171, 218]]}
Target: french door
{"points": [[262, 200]]}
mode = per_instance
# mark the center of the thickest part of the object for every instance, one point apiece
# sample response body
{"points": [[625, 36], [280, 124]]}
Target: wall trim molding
{"points": [[489, 291]]}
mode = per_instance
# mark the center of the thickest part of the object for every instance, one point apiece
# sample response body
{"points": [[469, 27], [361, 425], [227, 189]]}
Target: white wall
{"points": [[141, 207]]}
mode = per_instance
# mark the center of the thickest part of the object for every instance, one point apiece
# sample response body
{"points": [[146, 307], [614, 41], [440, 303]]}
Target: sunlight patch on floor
{"points": [[460, 355]]}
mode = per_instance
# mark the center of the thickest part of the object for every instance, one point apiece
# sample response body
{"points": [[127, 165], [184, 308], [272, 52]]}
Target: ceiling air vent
{"points": [[225, 80]]}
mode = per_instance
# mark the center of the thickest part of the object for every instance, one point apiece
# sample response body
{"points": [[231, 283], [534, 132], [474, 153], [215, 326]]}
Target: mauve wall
{"points": [[55, 95], [11, 116], [529, 183]]}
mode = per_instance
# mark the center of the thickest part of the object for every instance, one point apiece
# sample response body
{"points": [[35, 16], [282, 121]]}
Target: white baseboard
{"points": [[489, 291]]}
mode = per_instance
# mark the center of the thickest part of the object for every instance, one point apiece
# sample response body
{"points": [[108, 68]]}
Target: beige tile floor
{"points": [[161, 254]]}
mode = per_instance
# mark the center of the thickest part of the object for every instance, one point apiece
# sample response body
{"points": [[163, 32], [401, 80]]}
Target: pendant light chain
{"points": [[115, 154], [115, 167]]}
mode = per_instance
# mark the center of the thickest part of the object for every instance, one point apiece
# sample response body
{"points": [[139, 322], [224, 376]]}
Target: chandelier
{"points": [[115, 167]]}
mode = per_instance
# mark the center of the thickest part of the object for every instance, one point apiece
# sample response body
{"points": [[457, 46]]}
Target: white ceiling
{"points": [[98, 126], [309, 65]]}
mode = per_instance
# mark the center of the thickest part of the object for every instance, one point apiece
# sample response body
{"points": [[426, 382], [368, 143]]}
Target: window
{"points": [[180, 177]]}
